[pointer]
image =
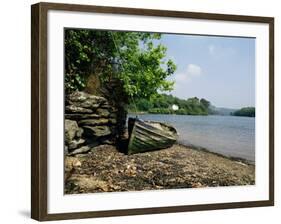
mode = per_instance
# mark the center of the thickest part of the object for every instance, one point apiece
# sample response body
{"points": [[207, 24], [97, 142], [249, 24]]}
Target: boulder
{"points": [[75, 143], [106, 106], [80, 116], [103, 112], [77, 109], [70, 130], [79, 133], [83, 149], [90, 121], [97, 131], [85, 100], [93, 122]]}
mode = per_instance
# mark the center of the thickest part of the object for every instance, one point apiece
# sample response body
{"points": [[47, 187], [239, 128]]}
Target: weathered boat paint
{"points": [[148, 135]]}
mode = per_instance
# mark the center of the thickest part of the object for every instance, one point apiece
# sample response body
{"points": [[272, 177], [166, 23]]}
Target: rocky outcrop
{"points": [[89, 121], [71, 131]]}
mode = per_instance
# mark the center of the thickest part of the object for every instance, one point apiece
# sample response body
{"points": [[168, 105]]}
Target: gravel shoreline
{"points": [[105, 169]]}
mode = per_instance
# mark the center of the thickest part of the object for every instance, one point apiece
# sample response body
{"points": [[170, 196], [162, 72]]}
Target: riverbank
{"points": [[227, 135], [105, 169]]}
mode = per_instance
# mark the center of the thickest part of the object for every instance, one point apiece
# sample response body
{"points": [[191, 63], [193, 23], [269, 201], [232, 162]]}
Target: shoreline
{"points": [[234, 158], [223, 150], [105, 169], [146, 112]]}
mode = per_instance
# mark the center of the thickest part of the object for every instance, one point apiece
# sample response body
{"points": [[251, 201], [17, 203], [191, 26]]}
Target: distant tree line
{"points": [[245, 111], [162, 104]]}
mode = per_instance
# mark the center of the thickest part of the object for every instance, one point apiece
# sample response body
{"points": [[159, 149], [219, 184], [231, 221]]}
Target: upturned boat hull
{"points": [[148, 136]]}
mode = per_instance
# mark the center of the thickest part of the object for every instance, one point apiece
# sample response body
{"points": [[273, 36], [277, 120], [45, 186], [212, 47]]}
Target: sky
{"points": [[219, 69]]}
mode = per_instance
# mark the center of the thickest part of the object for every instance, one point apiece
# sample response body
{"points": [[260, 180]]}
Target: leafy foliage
{"points": [[162, 104], [245, 111], [136, 58]]}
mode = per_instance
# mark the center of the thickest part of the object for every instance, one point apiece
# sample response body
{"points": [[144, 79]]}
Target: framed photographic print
{"points": [[139, 111]]}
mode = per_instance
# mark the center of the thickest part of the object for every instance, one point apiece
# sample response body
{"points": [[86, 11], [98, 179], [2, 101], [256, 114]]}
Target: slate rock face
{"points": [[90, 120], [103, 112], [97, 131], [93, 122], [83, 149], [85, 100], [77, 109], [80, 116], [71, 130], [76, 143]]}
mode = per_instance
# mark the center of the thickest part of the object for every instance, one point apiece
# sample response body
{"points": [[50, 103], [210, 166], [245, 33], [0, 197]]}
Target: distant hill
{"points": [[169, 104], [245, 112], [221, 111]]}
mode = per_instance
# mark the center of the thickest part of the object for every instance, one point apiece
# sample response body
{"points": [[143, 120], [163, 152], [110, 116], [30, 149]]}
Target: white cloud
{"points": [[183, 79], [191, 71]]}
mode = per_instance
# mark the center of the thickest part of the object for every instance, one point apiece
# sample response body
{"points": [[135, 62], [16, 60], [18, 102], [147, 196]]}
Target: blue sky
{"points": [[219, 69]]}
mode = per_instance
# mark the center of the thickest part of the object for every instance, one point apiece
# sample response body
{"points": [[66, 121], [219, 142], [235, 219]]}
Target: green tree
{"points": [[162, 104], [143, 105], [135, 58], [245, 111], [194, 101], [205, 103]]}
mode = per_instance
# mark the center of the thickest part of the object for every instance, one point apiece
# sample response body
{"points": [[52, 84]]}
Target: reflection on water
{"points": [[228, 135]]}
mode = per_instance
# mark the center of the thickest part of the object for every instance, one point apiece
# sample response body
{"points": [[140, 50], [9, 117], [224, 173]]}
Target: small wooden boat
{"points": [[149, 135]]}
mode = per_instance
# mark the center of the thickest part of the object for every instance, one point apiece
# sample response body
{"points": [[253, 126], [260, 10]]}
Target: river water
{"points": [[227, 135]]}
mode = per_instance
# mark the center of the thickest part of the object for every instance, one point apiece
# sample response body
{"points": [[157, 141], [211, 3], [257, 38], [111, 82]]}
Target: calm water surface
{"points": [[227, 135]]}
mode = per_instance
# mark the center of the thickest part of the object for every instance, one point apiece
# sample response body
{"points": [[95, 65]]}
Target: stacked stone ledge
{"points": [[89, 121]]}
